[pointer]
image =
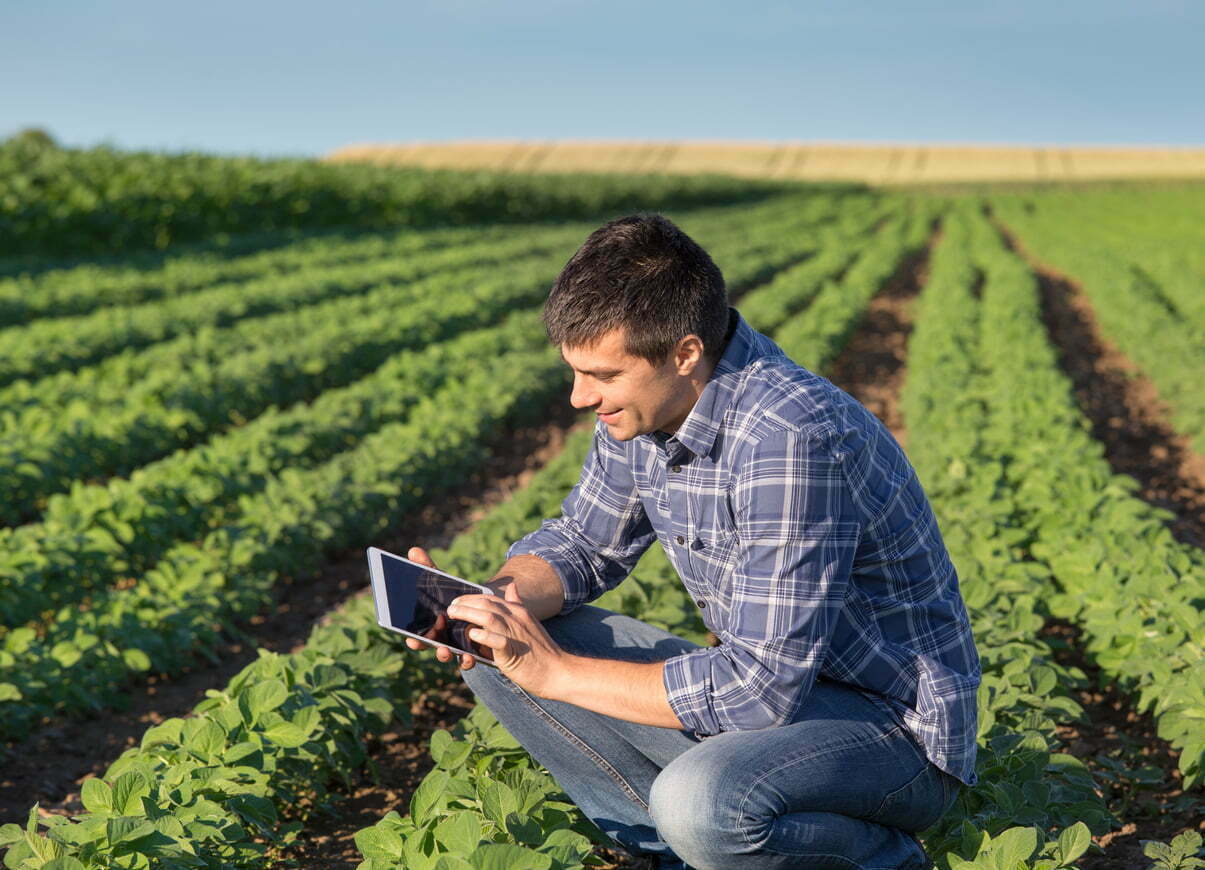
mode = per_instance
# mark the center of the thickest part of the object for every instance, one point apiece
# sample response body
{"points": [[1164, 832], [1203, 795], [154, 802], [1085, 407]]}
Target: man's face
{"points": [[628, 393]]}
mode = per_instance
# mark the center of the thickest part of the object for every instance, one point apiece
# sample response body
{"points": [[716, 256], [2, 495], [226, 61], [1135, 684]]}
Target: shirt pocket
{"points": [[714, 543]]}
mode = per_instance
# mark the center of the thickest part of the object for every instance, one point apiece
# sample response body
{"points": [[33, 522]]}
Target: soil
{"points": [[873, 364], [49, 768], [1124, 407], [872, 368], [1129, 419], [1123, 749]]}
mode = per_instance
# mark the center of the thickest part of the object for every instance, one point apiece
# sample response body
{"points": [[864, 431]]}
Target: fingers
{"points": [[418, 554]]}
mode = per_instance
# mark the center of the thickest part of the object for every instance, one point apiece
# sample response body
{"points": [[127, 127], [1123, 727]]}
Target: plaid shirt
{"points": [[800, 529]]}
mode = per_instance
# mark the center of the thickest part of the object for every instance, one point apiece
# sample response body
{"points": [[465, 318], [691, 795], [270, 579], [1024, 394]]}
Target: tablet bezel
{"points": [[376, 572]]}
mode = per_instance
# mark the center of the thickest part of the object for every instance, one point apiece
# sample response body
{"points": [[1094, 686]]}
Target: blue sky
{"points": [[305, 77]]}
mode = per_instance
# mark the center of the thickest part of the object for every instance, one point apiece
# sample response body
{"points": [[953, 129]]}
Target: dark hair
{"points": [[645, 275]]}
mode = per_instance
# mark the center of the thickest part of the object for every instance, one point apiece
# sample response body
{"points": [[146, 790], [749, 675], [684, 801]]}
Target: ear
{"points": [[688, 354]]}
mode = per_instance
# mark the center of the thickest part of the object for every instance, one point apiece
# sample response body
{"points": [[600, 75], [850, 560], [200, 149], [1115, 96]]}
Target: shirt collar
{"points": [[701, 426]]}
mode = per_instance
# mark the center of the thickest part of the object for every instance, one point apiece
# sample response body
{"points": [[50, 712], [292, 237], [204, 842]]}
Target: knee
{"points": [[700, 812]]}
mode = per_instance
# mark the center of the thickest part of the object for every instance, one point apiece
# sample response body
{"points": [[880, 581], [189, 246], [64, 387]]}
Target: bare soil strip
{"points": [[1127, 416], [50, 766], [872, 368], [1123, 749]]}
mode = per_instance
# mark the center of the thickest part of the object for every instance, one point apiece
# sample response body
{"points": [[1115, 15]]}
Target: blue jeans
{"points": [[842, 786]]}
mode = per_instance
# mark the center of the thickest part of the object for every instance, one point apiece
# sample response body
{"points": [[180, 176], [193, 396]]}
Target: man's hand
{"points": [[522, 647], [439, 631]]}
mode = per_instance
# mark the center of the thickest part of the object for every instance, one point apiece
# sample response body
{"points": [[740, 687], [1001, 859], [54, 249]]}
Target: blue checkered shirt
{"points": [[799, 527]]}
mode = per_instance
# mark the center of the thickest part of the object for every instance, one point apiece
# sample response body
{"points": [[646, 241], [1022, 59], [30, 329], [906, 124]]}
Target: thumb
{"points": [[511, 593], [418, 554]]}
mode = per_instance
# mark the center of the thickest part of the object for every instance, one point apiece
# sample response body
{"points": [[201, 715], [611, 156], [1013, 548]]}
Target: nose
{"points": [[582, 396]]}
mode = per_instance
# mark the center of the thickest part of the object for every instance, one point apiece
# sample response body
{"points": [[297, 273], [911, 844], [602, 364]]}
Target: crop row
{"points": [[1024, 693], [61, 201], [1122, 577], [129, 525], [137, 279], [1157, 232], [72, 290], [220, 293], [197, 589], [455, 819], [1130, 311], [44, 451], [359, 679], [51, 345], [112, 417], [91, 537], [264, 745]]}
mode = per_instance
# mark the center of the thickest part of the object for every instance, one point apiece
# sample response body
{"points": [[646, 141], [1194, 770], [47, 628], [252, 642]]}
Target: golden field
{"points": [[874, 164]]}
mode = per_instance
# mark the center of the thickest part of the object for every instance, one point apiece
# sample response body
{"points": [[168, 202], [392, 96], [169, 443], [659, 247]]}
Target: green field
{"points": [[217, 375]]}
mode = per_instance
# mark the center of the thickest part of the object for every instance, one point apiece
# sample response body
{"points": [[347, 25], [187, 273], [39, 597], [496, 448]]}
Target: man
{"points": [[836, 716]]}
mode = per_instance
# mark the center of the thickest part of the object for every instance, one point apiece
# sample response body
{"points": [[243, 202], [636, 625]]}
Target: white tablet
{"points": [[413, 600]]}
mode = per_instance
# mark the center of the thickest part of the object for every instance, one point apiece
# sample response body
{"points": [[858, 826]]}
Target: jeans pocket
{"points": [[918, 803]]}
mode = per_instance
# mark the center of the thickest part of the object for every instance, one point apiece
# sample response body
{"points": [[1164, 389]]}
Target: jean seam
{"points": [[741, 814], [908, 784], [605, 766]]}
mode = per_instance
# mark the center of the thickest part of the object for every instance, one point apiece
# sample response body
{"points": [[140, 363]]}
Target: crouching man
{"points": [[836, 716]]}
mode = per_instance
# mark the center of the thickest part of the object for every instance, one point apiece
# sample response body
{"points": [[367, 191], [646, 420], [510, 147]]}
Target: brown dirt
{"points": [[49, 767], [1123, 749], [872, 368], [1124, 407], [873, 364], [1129, 419]]}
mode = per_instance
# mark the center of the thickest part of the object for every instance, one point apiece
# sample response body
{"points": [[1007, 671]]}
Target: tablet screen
{"points": [[418, 597]]}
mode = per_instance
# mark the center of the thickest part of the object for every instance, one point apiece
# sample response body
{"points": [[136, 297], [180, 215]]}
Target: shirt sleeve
{"points": [[798, 531], [602, 531]]}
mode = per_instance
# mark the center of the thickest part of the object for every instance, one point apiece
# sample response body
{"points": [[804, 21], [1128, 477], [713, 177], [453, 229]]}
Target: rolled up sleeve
{"points": [[602, 531], [798, 532]]}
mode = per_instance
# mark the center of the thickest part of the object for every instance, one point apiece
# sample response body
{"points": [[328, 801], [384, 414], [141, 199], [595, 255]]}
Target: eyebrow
{"points": [[597, 373]]}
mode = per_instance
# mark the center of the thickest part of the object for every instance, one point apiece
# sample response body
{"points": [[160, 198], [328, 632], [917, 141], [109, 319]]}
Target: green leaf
{"points": [[456, 755], [497, 800], [1074, 842], [123, 828], [136, 659], [97, 796], [379, 842], [63, 862], [506, 856], [452, 862], [439, 741], [128, 791], [459, 832], [1015, 846], [204, 737], [264, 696], [66, 653], [428, 795], [9, 692], [287, 735]]}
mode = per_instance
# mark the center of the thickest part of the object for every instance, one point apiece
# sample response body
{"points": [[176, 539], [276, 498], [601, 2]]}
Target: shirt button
{"points": [[681, 540], [677, 469], [701, 603]]}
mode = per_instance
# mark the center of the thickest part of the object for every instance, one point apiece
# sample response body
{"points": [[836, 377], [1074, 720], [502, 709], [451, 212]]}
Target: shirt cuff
{"points": [[688, 689]]}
